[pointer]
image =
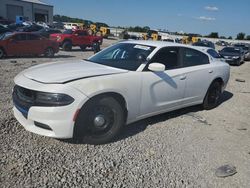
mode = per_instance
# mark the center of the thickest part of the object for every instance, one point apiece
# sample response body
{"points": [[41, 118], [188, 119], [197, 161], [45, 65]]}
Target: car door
{"points": [[198, 72], [163, 91], [35, 43], [83, 37], [17, 45]]}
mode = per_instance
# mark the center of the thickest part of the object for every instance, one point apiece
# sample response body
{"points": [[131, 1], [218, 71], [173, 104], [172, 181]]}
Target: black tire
{"points": [[212, 97], [67, 46], [96, 47], [2, 53], [49, 52], [105, 111], [238, 63], [83, 47]]}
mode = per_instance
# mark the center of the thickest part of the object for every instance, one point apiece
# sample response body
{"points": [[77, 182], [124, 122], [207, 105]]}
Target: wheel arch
{"points": [[67, 40], [4, 51], [117, 96], [220, 80]]}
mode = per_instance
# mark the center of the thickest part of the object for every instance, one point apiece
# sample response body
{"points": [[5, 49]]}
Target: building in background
{"points": [[32, 10]]}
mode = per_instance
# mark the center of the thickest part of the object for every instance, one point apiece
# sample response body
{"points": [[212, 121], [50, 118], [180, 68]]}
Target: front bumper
{"points": [[232, 61], [59, 120]]}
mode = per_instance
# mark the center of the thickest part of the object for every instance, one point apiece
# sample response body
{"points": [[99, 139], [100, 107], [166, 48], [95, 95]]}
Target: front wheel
{"points": [[99, 121], [49, 52], [212, 97], [67, 46], [1, 53]]}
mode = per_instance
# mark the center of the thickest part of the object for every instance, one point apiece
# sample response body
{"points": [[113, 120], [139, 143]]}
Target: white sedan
{"points": [[128, 81]]}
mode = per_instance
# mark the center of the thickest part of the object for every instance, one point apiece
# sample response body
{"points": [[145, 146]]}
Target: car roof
{"points": [[205, 48], [161, 44]]}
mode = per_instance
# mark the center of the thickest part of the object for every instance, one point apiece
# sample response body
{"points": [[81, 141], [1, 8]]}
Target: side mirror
{"points": [[156, 67]]}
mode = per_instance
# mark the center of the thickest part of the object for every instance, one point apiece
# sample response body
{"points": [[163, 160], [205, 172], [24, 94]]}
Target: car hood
{"points": [[61, 72]]}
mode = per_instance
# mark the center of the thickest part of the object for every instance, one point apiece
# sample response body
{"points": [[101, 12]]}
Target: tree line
{"points": [[240, 36], [144, 29]]}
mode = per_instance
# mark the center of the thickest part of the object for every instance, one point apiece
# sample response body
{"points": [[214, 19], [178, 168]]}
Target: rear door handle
{"points": [[210, 71], [183, 77]]}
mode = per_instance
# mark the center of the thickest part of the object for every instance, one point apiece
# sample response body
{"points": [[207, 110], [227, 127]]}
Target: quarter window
{"points": [[33, 37], [193, 57]]}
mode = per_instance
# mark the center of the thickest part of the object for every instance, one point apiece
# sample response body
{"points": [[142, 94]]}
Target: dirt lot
{"points": [[177, 149]]}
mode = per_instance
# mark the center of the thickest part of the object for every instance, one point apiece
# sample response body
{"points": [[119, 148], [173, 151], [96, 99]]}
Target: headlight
{"points": [[52, 99], [236, 57]]}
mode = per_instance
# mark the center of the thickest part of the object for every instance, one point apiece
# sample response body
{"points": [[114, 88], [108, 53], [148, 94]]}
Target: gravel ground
{"points": [[178, 149]]}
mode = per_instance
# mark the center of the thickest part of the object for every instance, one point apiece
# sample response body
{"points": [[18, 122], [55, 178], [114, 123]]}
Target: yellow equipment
{"points": [[99, 29], [189, 39], [151, 35]]}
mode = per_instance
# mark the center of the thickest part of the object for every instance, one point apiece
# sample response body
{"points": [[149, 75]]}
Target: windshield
{"points": [[123, 55], [231, 50], [68, 31], [5, 36]]}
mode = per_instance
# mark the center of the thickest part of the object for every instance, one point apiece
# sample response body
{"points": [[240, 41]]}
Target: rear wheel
{"points": [[1, 53], [49, 52], [212, 97], [96, 47], [100, 121], [83, 47], [67, 46]]}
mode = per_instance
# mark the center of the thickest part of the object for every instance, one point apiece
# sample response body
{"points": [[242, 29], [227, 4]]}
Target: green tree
{"points": [[213, 35], [240, 36], [248, 37], [230, 37]]}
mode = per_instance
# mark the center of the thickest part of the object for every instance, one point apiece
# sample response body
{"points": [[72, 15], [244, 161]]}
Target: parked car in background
{"points": [[73, 26], [204, 43], [22, 44], [30, 28], [5, 21], [222, 43], [46, 32], [246, 49], [122, 84], [57, 25], [81, 38], [4, 29], [213, 53], [233, 55]]}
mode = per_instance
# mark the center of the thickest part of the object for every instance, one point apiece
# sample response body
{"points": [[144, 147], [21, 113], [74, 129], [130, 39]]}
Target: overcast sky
{"points": [[228, 17]]}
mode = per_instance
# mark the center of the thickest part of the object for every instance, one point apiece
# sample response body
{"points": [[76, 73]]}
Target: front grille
{"points": [[23, 99]]}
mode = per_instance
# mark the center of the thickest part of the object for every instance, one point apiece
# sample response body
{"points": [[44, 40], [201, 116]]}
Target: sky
{"points": [[227, 17]]}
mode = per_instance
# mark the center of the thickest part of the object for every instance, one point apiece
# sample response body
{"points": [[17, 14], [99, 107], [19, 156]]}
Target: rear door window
{"points": [[191, 57], [33, 37]]}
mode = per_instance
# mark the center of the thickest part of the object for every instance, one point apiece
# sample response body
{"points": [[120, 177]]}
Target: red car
{"points": [[80, 38], [22, 44]]}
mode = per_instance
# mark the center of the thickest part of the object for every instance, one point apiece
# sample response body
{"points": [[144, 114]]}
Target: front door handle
{"points": [[183, 77], [210, 71]]}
